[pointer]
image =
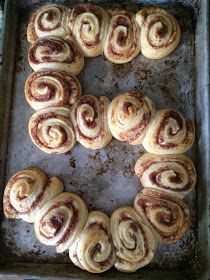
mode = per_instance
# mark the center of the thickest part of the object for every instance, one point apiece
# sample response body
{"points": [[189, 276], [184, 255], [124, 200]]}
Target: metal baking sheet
{"points": [[105, 178]]}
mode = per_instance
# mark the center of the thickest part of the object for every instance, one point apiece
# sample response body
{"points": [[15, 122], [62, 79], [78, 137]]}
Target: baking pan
{"points": [[105, 178]]}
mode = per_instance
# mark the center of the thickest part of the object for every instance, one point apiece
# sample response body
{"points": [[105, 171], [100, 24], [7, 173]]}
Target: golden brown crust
{"points": [[134, 242], [122, 42], [169, 133], [51, 88], [167, 215], [48, 20], [129, 115], [51, 130], [60, 221], [56, 53], [174, 174], [94, 249], [89, 24], [89, 117], [27, 191], [160, 32]]}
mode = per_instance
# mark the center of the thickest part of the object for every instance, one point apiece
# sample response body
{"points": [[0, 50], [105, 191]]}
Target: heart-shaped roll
{"points": [[94, 249], [168, 215], [160, 32], [89, 24], [122, 43], [51, 88], [129, 115], [55, 53], [89, 117], [174, 174], [51, 130], [49, 20], [169, 133], [60, 221], [27, 191], [135, 243]]}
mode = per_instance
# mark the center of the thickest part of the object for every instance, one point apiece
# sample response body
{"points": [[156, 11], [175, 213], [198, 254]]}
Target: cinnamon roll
{"points": [[27, 191], [51, 130], [51, 88], [169, 133], [122, 43], [60, 221], [89, 117], [134, 242], [174, 174], [167, 215], [55, 53], [89, 24], [129, 115], [160, 32], [49, 20], [94, 249]]}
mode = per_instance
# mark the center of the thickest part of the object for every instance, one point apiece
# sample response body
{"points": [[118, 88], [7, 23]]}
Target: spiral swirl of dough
{"points": [[89, 24], [129, 115], [49, 20], [134, 241], [94, 249], [55, 53], [122, 43], [51, 130], [160, 32], [89, 117], [167, 215], [27, 191], [51, 88], [174, 174], [60, 221], [169, 133]]}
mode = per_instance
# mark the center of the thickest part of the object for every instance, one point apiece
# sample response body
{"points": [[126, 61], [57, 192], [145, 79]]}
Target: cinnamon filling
{"points": [[53, 47], [35, 131], [51, 16], [155, 178], [91, 123], [159, 139]]}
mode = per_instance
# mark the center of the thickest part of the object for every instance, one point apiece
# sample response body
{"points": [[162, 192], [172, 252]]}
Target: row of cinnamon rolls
{"points": [[128, 239], [64, 116], [61, 37]]}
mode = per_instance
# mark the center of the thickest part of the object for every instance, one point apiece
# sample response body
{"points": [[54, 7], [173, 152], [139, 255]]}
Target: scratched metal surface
{"points": [[105, 178]]}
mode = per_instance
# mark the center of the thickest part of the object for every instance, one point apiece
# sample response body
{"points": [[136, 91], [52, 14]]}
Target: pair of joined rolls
{"points": [[58, 216], [113, 32], [118, 33], [124, 241], [132, 118], [56, 129]]}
